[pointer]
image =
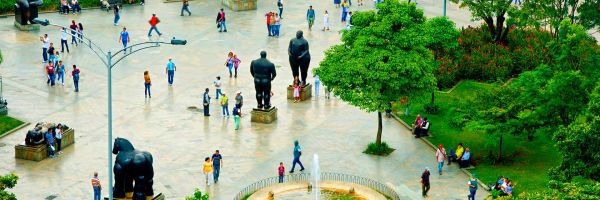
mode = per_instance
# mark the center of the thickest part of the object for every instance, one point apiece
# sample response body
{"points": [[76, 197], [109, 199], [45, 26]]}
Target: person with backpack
{"points": [[75, 74], [153, 22], [297, 154], [472, 183]]}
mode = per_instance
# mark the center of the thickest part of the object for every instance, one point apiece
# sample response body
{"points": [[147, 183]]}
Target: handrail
{"points": [[325, 176]]}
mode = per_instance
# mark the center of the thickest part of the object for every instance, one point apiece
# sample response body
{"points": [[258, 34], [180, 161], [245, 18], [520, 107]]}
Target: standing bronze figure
{"points": [[299, 56], [263, 72], [132, 165], [26, 10]]}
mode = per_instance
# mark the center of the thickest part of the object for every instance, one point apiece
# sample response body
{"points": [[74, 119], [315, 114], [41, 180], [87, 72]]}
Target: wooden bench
{"points": [[40, 152]]}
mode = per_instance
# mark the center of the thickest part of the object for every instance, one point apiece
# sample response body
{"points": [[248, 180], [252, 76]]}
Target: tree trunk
{"points": [[433, 98], [490, 23], [378, 141], [500, 149]]}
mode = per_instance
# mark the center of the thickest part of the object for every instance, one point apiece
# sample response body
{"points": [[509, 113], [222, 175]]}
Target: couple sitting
{"points": [[420, 127], [461, 155], [504, 186]]}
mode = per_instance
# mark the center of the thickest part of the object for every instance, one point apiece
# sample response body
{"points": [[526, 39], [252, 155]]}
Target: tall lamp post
{"points": [[445, 7], [107, 59]]}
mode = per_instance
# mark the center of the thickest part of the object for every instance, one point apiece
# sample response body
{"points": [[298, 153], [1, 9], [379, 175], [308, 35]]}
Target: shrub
{"points": [[528, 48], [380, 150], [7, 182], [198, 195], [432, 109], [447, 74]]}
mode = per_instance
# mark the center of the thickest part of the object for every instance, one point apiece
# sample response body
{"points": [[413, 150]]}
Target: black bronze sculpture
{"points": [[132, 165], [299, 56], [34, 137], [263, 72], [26, 10]]}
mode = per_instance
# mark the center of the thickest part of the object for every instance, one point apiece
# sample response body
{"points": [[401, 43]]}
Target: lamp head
{"points": [[175, 41], [43, 22]]}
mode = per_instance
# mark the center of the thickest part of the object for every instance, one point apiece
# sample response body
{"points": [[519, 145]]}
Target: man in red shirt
{"points": [[153, 22], [269, 27], [50, 71], [221, 21], [74, 28]]}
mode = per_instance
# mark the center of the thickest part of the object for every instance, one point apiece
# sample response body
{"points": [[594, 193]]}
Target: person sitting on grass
{"points": [[455, 155]]}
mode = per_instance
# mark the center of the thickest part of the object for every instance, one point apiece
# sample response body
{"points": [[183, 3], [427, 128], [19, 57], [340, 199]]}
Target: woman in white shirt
{"points": [[59, 133], [326, 21]]}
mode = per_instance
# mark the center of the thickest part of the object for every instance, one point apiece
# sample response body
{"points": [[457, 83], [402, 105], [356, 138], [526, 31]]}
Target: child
{"points": [[296, 90], [236, 64], [229, 62], [236, 117], [207, 169], [281, 170], [60, 71], [326, 21], [225, 104], [217, 84]]}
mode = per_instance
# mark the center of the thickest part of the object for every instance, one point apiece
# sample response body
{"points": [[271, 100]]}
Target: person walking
{"points": [[472, 183], [96, 186], [310, 16], [317, 85], [124, 38], [63, 40], [236, 117], [75, 75], [60, 72], [440, 155], [281, 172], [170, 69], [239, 99], [229, 63], [225, 105], [280, 6], [147, 84], [326, 21], [236, 64], [153, 22], [45, 45], [50, 73], [186, 8], [116, 11], [80, 32], [51, 52], [74, 31], [207, 169], [297, 154], [221, 21], [425, 182], [206, 102], [217, 84], [217, 162]]}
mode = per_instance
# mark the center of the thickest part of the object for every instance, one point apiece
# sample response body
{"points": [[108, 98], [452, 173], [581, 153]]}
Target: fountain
{"points": [[315, 176]]}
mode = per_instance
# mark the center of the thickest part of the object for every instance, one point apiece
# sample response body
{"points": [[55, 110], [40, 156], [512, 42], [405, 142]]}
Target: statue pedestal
{"points": [[3, 109], [264, 116], [27, 27], [40, 152], [160, 196], [240, 5], [305, 92]]}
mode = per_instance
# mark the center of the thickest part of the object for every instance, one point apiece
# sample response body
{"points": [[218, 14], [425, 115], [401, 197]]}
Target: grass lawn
{"points": [[526, 162], [7, 123]]}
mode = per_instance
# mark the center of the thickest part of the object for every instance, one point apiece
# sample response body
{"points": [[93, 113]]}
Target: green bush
{"points": [[380, 150], [432, 109], [7, 182], [198, 195]]}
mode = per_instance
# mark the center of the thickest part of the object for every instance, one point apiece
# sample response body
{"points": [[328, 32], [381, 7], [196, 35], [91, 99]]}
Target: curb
{"points": [[15, 129], [426, 141]]}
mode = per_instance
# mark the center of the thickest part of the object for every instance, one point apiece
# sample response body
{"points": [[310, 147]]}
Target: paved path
{"points": [[180, 138]]}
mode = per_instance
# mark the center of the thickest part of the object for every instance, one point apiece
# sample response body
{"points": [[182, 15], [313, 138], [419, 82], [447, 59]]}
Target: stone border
{"points": [[433, 147], [15, 129], [337, 186]]}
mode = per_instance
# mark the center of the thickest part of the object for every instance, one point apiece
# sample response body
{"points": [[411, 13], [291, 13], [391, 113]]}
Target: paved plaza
{"points": [[180, 138]]}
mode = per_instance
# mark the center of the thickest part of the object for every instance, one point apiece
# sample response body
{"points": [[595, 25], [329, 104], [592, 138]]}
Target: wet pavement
{"points": [[180, 138]]}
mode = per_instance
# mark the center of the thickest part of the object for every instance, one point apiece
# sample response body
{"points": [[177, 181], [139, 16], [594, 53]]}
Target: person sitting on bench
{"points": [[465, 159], [423, 129], [456, 155]]}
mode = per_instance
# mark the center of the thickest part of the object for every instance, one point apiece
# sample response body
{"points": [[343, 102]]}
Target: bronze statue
{"points": [[34, 137], [263, 72], [26, 10], [132, 165], [299, 56]]}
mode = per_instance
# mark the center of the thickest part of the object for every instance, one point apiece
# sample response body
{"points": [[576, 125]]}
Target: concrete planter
{"points": [[240, 5], [40, 152], [263, 116]]}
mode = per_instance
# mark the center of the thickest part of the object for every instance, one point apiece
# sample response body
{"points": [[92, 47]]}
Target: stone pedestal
{"points": [[27, 27], [160, 196], [305, 92], [40, 152], [264, 116], [240, 5]]}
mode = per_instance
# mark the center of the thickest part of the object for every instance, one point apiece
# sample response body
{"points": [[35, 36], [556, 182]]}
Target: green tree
{"points": [[493, 13], [382, 58], [198, 195], [7, 182]]}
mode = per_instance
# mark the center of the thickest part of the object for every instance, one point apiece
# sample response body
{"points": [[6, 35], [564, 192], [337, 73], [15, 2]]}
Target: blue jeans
{"points": [[76, 83], [125, 46], [117, 17], [225, 109], [222, 26], [276, 30], [170, 74], [297, 160], [440, 165], [73, 37], [147, 89], [280, 178], [45, 54], [64, 43], [50, 79], [216, 172], [471, 196], [281, 12], [61, 77], [187, 9], [97, 193], [153, 28], [270, 29], [218, 93]]}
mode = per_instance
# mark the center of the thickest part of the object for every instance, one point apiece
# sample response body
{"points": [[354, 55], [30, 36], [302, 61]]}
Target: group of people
{"points": [[420, 127], [273, 24], [53, 135], [462, 156], [169, 71], [66, 5], [224, 102], [504, 186], [212, 165], [55, 68]]}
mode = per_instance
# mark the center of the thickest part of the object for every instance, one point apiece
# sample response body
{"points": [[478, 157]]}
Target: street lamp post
{"points": [[107, 59], [445, 8]]}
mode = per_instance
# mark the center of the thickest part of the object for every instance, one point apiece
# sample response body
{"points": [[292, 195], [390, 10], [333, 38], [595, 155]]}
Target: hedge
{"points": [[7, 6]]}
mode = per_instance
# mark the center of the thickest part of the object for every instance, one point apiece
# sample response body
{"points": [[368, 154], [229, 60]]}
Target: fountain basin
{"points": [[296, 188]]}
